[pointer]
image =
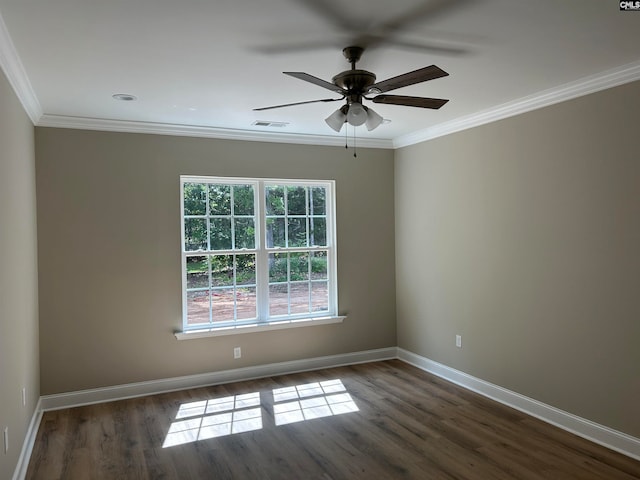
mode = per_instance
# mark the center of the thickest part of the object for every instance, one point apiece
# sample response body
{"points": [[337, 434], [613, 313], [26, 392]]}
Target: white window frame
{"points": [[263, 320]]}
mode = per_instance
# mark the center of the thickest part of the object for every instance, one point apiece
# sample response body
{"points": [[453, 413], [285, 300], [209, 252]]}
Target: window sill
{"points": [[253, 328]]}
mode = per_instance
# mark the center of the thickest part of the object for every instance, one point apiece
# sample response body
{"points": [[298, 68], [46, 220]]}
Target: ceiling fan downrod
{"points": [[352, 54]]}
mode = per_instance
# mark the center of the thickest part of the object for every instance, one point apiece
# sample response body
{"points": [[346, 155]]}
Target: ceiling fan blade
{"points": [[434, 103], [330, 13], [423, 11], [410, 78], [371, 34], [373, 41], [433, 47], [294, 47], [316, 81], [298, 103]]}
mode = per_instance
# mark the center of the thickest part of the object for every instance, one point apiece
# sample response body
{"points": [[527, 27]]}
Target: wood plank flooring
{"points": [[381, 420]]}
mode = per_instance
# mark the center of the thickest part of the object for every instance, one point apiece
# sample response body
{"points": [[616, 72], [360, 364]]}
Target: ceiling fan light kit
{"points": [[353, 85], [355, 114]]}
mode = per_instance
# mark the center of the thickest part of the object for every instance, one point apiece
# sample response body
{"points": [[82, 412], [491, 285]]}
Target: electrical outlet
{"points": [[6, 439], [459, 341], [237, 352], [24, 397]]}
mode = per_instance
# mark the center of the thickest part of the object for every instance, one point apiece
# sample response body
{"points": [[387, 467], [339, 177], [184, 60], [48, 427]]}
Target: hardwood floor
{"points": [[382, 420]]}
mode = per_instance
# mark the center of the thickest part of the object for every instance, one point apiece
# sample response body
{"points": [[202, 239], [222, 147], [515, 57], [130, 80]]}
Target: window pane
{"points": [[317, 201], [318, 233], [243, 200], [245, 233], [297, 232], [246, 303], [219, 199], [275, 232], [275, 200], [221, 270], [220, 233], [245, 269], [319, 265], [319, 297], [222, 305], [195, 234], [195, 199], [197, 272], [299, 266], [278, 299], [277, 267], [296, 200], [299, 298], [198, 307]]}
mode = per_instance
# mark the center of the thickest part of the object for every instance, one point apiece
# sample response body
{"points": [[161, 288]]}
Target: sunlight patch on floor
{"points": [[219, 417], [311, 400], [215, 418]]}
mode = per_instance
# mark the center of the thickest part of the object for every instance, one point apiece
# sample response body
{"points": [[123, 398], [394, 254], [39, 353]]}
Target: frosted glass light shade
{"points": [[356, 115], [373, 119], [336, 119]]}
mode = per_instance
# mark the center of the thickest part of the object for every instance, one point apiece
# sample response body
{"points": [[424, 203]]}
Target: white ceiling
{"points": [[200, 66]]}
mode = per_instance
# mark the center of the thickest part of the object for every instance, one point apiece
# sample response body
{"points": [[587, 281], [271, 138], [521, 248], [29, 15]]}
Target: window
{"points": [[257, 252]]}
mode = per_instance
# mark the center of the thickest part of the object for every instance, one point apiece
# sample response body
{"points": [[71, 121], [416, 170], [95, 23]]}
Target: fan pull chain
{"points": [[346, 140], [346, 136], [355, 155]]}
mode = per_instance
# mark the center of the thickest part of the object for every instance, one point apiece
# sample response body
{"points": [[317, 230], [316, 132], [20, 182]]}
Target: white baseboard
{"points": [[29, 441], [605, 436], [131, 390]]}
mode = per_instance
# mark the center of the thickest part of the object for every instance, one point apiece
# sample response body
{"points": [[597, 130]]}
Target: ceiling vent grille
{"points": [[266, 123]]}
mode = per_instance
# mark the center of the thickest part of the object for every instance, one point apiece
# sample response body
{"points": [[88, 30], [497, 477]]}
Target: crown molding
{"points": [[61, 121], [14, 70], [584, 86]]}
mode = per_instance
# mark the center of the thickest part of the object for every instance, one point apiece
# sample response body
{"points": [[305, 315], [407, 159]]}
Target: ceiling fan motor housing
{"points": [[355, 82]]}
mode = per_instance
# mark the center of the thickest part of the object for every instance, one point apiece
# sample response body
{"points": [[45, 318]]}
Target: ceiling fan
{"points": [[354, 85]]}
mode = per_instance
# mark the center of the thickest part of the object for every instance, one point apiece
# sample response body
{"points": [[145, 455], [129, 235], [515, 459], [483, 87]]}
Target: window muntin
{"points": [[256, 251]]}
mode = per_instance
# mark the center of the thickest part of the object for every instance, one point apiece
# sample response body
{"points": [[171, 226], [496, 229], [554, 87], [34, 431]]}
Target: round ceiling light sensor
{"points": [[125, 97]]}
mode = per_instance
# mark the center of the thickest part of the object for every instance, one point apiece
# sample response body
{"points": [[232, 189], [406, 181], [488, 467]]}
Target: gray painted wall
{"points": [[18, 276], [109, 245], [523, 236]]}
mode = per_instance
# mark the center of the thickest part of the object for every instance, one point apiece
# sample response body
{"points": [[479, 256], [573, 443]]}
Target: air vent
{"points": [[125, 97], [266, 123]]}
